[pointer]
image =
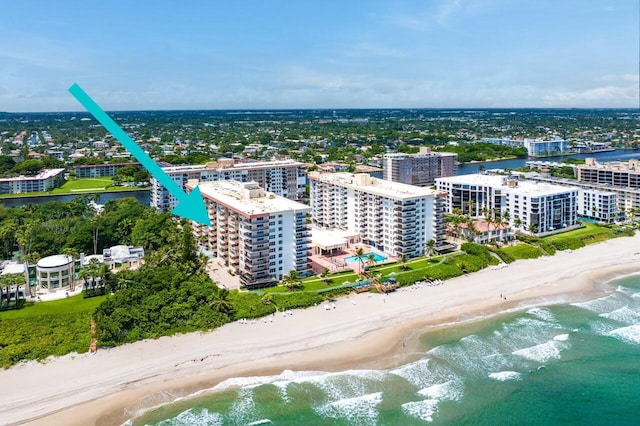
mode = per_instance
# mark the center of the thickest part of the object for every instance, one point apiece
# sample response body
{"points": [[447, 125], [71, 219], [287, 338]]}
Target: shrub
{"points": [[568, 243], [477, 250], [249, 305], [548, 247], [296, 300], [506, 257]]}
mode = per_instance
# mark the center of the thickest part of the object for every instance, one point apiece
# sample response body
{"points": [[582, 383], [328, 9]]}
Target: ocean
{"points": [[559, 364]]}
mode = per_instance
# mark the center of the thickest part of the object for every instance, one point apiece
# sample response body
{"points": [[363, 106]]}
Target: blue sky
{"points": [[266, 54]]}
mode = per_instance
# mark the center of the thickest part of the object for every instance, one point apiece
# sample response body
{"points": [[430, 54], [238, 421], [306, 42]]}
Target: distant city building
{"points": [[45, 180], [285, 178], [535, 148], [336, 167], [614, 173], [260, 235], [395, 218], [99, 170], [419, 169], [538, 208]]}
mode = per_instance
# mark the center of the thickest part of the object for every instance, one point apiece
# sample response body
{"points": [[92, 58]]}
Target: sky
{"points": [[267, 54]]}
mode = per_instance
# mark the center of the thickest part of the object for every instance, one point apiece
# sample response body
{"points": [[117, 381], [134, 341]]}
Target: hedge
{"points": [[296, 300], [248, 305]]}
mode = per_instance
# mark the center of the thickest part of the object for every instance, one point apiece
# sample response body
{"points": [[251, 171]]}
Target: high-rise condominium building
{"points": [[285, 178], [615, 173], [262, 236], [419, 169], [396, 218], [535, 207]]}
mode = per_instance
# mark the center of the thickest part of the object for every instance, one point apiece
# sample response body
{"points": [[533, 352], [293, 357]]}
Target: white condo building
{"points": [[284, 177], [395, 218], [535, 148], [539, 208], [419, 169], [262, 236]]}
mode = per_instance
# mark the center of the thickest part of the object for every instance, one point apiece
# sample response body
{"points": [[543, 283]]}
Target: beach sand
{"points": [[365, 330]]}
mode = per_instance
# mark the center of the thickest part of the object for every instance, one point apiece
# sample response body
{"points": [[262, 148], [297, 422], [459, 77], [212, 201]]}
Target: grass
{"points": [[589, 234], [314, 283], [42, 329], [63, 306], [79, 186], [522, 251]]}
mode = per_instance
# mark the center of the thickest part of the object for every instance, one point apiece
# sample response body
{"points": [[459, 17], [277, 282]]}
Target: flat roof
{"points": [[328, 239], [217, 166], [13, 268], [235, 195], [365, 182], [44, 174], [497, 181]]}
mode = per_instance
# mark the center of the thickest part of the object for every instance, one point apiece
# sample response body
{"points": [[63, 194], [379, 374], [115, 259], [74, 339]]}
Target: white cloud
{"points": [[604, 96]]}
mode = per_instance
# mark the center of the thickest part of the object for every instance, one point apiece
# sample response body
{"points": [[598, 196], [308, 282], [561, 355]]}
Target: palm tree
{"points": [[517, 222], [403, 261], [219, 302], [371, 259], [72, 253], [360, 256], [267, 299], [471, 205], [324, 274], [430, 248], [292, 280]]}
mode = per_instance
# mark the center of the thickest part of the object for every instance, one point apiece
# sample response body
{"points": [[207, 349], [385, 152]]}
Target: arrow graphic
{"points": [[190, 206]]}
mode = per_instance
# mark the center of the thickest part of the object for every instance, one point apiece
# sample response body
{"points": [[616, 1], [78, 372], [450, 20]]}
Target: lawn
{"points": [[314, 283], [590, 233], [79, 186], [522, 251], [61, 306]]}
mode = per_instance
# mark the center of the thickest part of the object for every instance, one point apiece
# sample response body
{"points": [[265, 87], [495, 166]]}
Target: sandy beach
{"points": [[113, 385]]}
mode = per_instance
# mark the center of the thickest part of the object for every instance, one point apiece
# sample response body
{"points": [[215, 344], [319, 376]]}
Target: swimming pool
{"points": [[365, 257]]}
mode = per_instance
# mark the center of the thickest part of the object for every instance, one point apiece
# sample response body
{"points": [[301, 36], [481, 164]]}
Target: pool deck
{"points": [[336, 262]]}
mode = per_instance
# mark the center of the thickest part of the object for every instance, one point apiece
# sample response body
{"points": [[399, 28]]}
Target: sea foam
{"points": [[503, 376], [625, 315], [193, 417], [540, 353], [424, 410], [357, 410], [630, 334], [450, 391]]}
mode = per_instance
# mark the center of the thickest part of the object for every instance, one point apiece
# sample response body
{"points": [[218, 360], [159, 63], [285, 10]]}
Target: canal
{"points": [[619, 154], [143, 196]]}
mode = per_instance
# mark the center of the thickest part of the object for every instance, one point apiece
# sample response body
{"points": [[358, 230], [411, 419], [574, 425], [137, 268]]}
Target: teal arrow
{"points": [[190, 206]]}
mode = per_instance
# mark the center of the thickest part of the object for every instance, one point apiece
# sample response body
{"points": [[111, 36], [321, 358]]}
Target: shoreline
{"points": [[367, 329]]}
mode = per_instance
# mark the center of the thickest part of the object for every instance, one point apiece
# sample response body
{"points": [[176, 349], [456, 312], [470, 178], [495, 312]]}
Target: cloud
{"points": [[605, 96], [437, 15]]}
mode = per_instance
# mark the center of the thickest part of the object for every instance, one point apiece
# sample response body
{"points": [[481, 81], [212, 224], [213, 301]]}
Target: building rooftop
{"points": [[247, 198], [13, 268], [230, 164], [54, 261], [364, 182], [44, 174], [520, 186]]}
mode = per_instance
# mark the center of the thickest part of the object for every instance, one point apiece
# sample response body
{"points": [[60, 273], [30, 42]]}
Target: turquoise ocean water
{"points": [[575, 363]]}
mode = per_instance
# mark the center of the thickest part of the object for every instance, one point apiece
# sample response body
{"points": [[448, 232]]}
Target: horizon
{"points": [[280, 110], [275, 55]]}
